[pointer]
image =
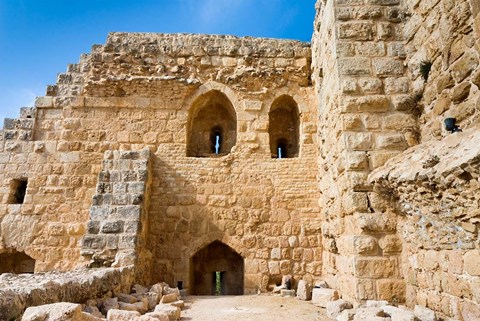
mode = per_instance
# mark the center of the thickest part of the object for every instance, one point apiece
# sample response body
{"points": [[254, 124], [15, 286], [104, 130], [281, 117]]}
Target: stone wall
{"points": [[434, 189], [443, 36], [137, 92], [364, 120]]}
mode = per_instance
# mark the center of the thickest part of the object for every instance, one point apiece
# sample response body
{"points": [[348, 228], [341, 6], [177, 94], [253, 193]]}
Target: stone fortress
{"points": [[195, 156]]}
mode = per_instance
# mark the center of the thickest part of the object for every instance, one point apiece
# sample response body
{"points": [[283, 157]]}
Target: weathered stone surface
{"points": [[304, 290], [121, 315], [424, 314], [172, 312], [62, 311], [76, 286], [321, 296], [335, 308]]}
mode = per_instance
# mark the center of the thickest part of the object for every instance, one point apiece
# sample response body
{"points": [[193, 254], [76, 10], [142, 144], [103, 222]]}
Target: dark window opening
{"points": [[218, 280], [282, 149], [18, 190], [216, 140]]}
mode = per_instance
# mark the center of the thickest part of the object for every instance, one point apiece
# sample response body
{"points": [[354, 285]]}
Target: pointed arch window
{"points": [[212, 127], [284, 128]]}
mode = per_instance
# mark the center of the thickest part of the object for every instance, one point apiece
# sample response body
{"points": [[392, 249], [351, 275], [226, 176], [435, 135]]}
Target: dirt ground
{"points": [[250, 307]]}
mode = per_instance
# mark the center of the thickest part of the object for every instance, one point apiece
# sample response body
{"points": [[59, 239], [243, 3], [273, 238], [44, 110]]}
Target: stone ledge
{"points": [[18, 292]]}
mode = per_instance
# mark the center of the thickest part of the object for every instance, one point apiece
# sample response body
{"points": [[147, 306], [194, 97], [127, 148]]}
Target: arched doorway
{"points": [[217, 270]]}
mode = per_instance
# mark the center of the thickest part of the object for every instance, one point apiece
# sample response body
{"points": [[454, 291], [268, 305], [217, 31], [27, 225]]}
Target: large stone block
{"points": [[304, 290], [354, 66], [364, 30], [385, 67], [375, 267], [471, 263], [320, 297], [335, 308]]}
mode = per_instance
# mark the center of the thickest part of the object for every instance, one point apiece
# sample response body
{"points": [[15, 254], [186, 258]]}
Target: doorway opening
{"points": [[217, 270]]}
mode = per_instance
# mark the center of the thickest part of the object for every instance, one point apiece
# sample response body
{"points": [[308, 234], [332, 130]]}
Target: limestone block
{"points": [[424, 314], [62, 311], [127, 298], [375, 267], [121, 315], [127, 306], [354, 66], [153, 299], [172, 312], [376, 304], [366, 245], [358, 141], [398, 314], [179, 304], [374, 103], [396, 85], [464, 66], [385, 67], [470, 310], [320, 297], [356, 30], [391, 141], [160, 316], [471, 263], [370, 314], [287, 293], [346, 315], [461, 92], [169, 298], [304, 290], [334, 308]]}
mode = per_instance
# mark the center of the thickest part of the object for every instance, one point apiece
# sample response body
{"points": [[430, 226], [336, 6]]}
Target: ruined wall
{"points": [[136, 92], [434, 187], [444, 34]]}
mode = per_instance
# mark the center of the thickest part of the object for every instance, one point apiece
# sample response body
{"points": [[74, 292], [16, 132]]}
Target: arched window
{"points": [[284, 128], [212, 127]]}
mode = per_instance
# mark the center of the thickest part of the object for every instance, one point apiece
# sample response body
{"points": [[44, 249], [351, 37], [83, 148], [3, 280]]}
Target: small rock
{"points": [[153, 299], [346, 315], [160, 316], [110, 303], [370, 314], [127, 306], [398, 314], [169, 298], [157, 288], [137, 288], [424, 314], [376, 304], [120, 315], [334, 308], [179, 304], [172, 312], [287, 293], [127, 298]]}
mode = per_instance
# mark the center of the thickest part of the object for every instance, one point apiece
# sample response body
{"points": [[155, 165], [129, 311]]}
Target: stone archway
{"points": [[217, 270]]}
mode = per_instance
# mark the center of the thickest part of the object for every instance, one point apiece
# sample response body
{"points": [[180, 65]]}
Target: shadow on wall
{"points": [[16, 262]]}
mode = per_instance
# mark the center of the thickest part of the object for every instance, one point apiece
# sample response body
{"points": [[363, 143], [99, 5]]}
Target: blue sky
{"points": [[38, 38]]}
